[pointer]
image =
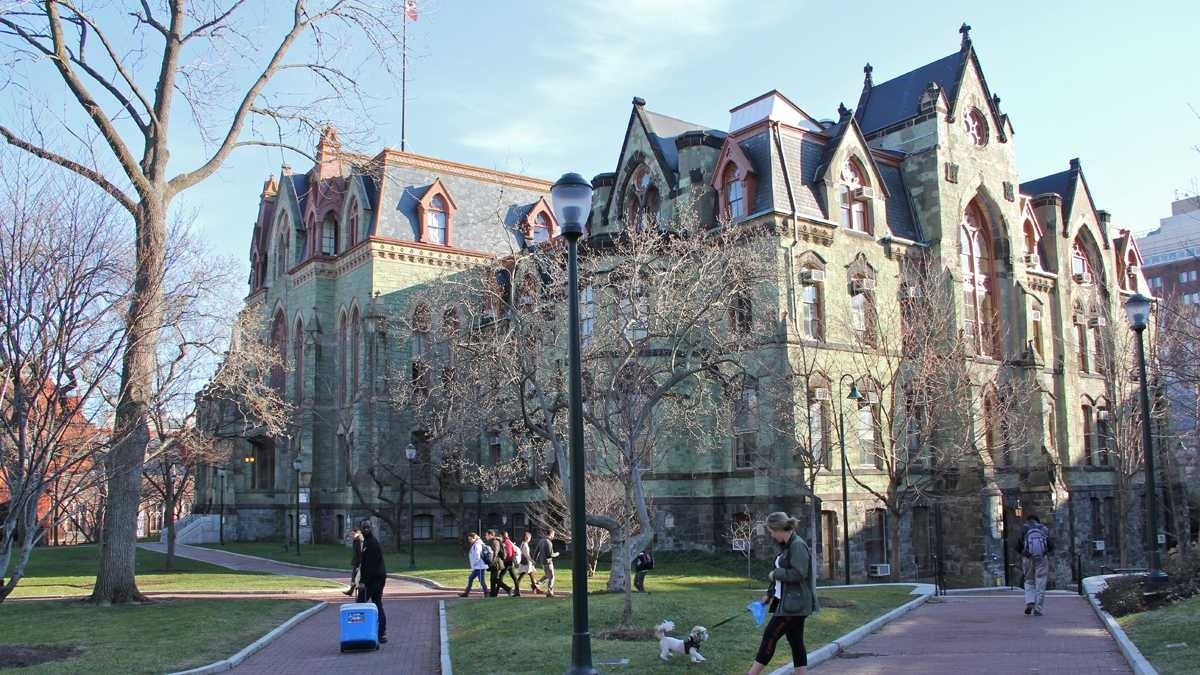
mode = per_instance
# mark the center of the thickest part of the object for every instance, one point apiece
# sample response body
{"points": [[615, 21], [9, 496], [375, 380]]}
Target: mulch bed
{"points": [[22, 656]]}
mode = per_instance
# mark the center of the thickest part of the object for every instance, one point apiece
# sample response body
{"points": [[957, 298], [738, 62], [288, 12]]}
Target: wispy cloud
{"points": [[598, 52]]}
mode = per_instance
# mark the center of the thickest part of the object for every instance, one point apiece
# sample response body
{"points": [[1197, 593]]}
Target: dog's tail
{"points": [[661, 630]]}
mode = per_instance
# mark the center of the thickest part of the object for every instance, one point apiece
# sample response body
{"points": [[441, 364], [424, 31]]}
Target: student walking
{"points": [[497, 564], [356, 546], [512, 558], [372, 575], [544, 558], [475, 559], [643, 563], [792, 595], [1035, 547], [525, 565]]}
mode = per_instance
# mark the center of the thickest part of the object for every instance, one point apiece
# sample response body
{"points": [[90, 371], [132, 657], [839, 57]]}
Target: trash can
{"points": [[359, 623]]}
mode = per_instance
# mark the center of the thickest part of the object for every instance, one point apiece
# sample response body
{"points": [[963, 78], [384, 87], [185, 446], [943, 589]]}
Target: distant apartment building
{"points": [[1172, 253]]}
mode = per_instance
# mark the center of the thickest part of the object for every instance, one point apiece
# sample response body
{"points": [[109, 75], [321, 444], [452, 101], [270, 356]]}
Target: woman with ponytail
{"points": [[792, 595]]}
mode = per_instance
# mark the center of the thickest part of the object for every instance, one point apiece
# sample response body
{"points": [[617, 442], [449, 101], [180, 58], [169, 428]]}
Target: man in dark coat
{"points": [[373, 575]]}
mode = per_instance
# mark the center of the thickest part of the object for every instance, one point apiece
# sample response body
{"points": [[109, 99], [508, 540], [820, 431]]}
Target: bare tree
{"points": [[230, 77], [742, 535], [605, 497], [62, 289], [934, 420]]}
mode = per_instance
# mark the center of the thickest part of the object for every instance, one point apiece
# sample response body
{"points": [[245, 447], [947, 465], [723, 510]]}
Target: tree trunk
{"points": [[1122, 507], [618, 577], [115, 582], [894, 544], [169, 516]]}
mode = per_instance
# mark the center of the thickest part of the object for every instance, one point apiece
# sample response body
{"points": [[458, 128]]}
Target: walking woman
{"points": [[792, 595], [526, 565]]}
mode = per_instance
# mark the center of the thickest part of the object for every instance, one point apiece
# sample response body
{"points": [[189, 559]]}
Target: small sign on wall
{"points": [[304, 495], [303, 520]]}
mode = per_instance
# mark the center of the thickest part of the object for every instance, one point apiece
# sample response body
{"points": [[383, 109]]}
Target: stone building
{"points": [[924, 165]]}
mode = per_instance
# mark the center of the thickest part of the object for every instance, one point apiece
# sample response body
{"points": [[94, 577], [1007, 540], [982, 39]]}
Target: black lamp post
{"points": [[1137, 308], [221, 475], [855, 396], [571, 197], [297, 464], [411, 454]]}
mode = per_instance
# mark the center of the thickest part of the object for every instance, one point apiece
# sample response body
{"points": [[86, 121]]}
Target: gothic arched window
{"points": [[976, 127], [298, 355], [329, 235], [279, 344], [855, 199], [735, 193], [436, 221], [978, 281]]}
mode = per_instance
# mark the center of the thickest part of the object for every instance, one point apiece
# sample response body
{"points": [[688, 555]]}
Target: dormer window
{"points": [[976, 127], [329, 235], [436, 221], [435, 213], [855, 196], [734, 192], [541, 228]]}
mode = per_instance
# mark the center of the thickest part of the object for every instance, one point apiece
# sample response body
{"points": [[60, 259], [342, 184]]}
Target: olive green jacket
{"points": [[799, 587]]}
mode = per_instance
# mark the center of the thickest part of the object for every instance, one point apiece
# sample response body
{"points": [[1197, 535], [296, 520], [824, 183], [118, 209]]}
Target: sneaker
{"points": [[1028, 608], [549, 594], [516, 594], [1037, 612], [467, 595], [382, 639]]}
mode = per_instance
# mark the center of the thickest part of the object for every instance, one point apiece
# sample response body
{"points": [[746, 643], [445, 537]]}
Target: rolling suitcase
{"points": [[359, 626]]}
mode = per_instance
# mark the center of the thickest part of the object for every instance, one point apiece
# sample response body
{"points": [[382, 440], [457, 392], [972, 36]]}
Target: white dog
{"points": [[690, 647]]}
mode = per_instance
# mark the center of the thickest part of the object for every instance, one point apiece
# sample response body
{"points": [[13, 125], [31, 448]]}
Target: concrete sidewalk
{"points": [[243, 563], [987, 632]]}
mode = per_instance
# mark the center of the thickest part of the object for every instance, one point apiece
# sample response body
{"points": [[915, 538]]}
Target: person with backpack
{"points": [[477, 558], [643, 563], [512, 558], [544, 558], [496, 564], [372, 575], [525, 565], [1035, 547], [356, 547]]}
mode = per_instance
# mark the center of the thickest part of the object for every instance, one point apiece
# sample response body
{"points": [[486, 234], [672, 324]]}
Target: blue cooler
{"points": [[360, 626]]}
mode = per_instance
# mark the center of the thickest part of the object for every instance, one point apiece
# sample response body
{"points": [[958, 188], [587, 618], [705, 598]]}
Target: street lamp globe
{"points": [[854, 394], [571, 198], [297, 464], [410, 452], [1137, 308]]}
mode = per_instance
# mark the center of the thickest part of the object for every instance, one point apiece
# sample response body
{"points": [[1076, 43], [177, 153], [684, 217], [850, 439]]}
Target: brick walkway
{"points": [[986, 632], [312, 646]]}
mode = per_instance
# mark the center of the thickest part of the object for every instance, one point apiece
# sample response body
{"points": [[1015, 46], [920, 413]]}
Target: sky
{"points": [[545, 87]]}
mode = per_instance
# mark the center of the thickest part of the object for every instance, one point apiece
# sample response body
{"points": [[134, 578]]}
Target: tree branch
{"points": [[55, 158]]}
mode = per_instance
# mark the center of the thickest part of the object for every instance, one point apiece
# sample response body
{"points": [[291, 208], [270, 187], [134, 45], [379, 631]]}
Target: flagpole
{"points": [[403, 78]]}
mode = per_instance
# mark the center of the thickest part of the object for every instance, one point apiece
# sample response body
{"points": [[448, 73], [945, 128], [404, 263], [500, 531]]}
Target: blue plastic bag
{"points": [[758, 610]]}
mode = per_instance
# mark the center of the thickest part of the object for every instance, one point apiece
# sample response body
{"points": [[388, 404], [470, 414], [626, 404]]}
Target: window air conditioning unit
{"points": [[743, 545], [862, 285], [1082, 278], [1103, 415], [863, 193], [871, 397], [812, 275], [1097, 322], [1035, 314], [912, 292], [884, 570], [1032, 260], [821, 394], [1098, 545]]}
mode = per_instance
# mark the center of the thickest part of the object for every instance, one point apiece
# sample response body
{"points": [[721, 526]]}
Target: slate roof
{"points": [[664, 129], [898, 99], [479, 202], [1062, 184], [300, 186]]}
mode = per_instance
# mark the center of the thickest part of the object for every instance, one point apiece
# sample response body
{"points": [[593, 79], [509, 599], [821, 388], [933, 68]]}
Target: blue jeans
{"points": [[471, 581]]}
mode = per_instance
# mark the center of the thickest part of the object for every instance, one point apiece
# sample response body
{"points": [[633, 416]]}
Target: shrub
{"points": [[1184, 574], [1123, 596]]}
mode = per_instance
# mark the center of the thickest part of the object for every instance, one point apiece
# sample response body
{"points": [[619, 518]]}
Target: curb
{"points": [[829, 651], [444, 636], [1133, 655], [235, 660]]}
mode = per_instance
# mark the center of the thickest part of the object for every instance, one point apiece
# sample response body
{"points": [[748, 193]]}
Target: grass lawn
{"points": [[1152, 631], [153, 638], [71, 570], [694, 592]]}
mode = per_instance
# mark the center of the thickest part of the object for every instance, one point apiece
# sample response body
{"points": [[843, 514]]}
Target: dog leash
{"points": [[725, 621]]}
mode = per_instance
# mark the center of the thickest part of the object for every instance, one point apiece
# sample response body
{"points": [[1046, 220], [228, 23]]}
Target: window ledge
{"points": [[855, 233]]}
